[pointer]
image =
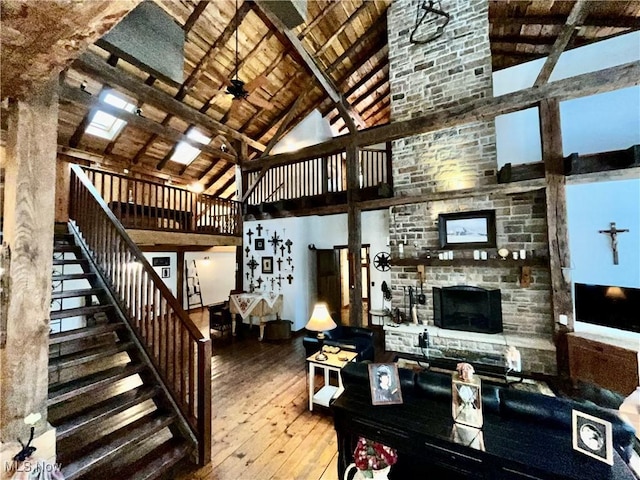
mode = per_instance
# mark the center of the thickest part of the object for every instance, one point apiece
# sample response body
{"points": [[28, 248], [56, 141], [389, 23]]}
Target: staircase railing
{"points": [[175, 345]]}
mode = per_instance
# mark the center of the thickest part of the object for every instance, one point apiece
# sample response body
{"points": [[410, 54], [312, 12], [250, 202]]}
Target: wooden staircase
{"points": [[113, 416]]}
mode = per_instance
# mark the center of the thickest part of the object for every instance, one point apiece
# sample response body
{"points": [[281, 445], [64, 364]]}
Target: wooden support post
{"points": [[354, 237], [242, 181], [180, 279], [29, 211], [559, 260]]}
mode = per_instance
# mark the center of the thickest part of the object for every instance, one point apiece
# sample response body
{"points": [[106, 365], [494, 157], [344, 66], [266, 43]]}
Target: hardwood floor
{"points": [[262, 427]]}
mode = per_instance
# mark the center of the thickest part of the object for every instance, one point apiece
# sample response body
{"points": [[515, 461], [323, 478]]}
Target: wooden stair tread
{"points": [[115, 444], [72, 276], [85, 332], [66, 248], [79, 311], [156, 463], [70, 261], [65, 391], [85, 292], [87, 355], [103, 410]]}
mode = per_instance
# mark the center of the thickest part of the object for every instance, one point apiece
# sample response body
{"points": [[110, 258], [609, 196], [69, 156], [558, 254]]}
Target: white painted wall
{"points": [[599, 123], [324, 232], [172, 281], [216, 269], [592, 207], [312, 130]]}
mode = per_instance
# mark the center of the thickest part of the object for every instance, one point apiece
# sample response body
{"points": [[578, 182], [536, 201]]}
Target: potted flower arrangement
{"points": [[373, 459]]}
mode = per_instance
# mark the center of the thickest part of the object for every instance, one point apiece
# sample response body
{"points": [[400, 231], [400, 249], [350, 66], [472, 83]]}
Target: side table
{"points": [[334, 363]]}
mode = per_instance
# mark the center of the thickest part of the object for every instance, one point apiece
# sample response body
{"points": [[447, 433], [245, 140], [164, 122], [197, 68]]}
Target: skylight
{"points": [[107, 126], [185, 153]]}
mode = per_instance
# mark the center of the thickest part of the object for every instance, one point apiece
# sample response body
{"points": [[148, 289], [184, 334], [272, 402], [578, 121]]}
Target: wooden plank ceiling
{"points": [[347, 40]]}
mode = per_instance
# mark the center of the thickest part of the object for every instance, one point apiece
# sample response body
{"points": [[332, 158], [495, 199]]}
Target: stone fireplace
{"points": [[467, 308], [455, 69]]}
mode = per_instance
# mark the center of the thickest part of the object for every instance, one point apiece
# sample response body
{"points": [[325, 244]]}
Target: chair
{"points": [[220, 318]]}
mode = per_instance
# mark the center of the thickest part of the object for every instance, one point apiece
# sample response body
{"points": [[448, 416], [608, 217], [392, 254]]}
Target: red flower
{"points": [[370, 455]]}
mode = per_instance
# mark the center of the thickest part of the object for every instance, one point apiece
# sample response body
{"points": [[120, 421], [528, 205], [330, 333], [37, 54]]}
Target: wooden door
{"points": [[328, 280]]}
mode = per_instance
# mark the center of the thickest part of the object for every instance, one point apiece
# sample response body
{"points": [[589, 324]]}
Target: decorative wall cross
{"points": [[252, 265], [613, 232], [259, 229], [290, 278], [275, 241], [247, 250], [259, 281], [273, 281], [288, 243], [279, 262], [250, 234], [281, 249], [279, 278]]}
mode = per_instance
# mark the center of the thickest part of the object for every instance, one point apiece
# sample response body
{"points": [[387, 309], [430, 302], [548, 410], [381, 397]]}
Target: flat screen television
{"points": [[610, 306]]}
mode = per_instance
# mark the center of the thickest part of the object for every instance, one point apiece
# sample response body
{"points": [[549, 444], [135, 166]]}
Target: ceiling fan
{"points": [[241, 90]]}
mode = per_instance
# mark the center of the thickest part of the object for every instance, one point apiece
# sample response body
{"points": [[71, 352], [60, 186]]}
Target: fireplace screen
{"points": [[472, 309]]}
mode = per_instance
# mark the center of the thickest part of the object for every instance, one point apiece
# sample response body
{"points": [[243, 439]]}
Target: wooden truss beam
{"points": [[98, 68], [591, 83], [576, 17], [92, 102]]}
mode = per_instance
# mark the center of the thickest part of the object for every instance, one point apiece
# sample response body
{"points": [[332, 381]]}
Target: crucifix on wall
{"points": [[613, 232]]}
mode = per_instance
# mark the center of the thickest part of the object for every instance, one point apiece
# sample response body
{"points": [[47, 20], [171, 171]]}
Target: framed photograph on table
{"points": [[267, 265], [385, 384], [467, 229], [592, 436]]}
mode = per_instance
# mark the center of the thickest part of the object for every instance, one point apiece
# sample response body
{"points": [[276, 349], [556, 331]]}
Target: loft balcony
{"points": [[315, 186]]}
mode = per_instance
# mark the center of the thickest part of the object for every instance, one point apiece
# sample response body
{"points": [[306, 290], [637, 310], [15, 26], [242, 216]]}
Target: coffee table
{"points": [[334, 363]]}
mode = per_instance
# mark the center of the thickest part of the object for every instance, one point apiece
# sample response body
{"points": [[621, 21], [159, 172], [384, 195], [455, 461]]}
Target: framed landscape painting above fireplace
{"points": [[467, 229]]}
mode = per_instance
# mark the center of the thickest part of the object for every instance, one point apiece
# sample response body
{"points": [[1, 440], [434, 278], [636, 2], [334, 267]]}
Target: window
{"points": [[107, 126], [185, 153]]}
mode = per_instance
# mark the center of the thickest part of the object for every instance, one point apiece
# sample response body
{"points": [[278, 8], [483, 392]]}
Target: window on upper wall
{"points": [[185, 153], [107, 126]]}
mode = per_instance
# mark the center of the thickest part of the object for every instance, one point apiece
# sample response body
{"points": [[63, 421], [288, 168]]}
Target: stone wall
{"points": [[452, 70]]}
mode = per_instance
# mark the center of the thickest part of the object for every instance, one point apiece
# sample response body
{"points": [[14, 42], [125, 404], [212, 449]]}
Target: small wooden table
{"points": [[334, 363], [255, 304]]}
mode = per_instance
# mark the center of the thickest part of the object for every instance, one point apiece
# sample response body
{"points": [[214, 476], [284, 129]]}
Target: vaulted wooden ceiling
{"points": [[347, 40]]}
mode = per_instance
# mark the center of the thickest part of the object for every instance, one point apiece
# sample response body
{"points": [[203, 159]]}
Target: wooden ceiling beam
{"points": [[591, 83], [350, 115], [93, 102], [599, 21], [522, 39], [215, 178], [377, 31], [368, 92], [329, 42], [219, 191], [325, 11], [213, 165], [76, 136], [195, 15], [578, 13], [96, 66], [377, 50]]}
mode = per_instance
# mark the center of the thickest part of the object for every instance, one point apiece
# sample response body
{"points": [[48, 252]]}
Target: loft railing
{"points": [[141, 204], [318, 176], [174, 344]]}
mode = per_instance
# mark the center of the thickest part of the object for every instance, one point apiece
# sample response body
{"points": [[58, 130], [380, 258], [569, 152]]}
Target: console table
{"points": [[255, 304], [427, 448]]}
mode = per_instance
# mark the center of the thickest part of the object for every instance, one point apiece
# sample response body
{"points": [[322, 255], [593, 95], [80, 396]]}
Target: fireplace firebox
{"points": [[463, 307]]}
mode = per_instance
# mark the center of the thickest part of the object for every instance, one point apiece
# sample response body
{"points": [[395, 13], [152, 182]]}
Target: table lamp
{"points": [[320, 321]]}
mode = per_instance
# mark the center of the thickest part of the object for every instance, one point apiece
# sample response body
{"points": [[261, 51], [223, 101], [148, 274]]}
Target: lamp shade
{"points": [[320, 319]]}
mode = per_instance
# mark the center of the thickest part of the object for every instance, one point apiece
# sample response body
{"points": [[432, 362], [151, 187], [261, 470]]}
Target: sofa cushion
{"points": [[434, 385], [556, 412]]}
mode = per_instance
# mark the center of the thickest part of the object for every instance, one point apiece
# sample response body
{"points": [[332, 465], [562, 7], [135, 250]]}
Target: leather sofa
{"points": [[353, 339], [528, 407]]}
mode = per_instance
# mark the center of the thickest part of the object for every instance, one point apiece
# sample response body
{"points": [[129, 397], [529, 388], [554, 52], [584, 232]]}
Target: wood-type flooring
{"points": [[262, 427]]}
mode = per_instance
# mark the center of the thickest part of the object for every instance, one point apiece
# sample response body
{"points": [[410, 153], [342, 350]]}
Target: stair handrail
{"points": [[198, 415]]}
